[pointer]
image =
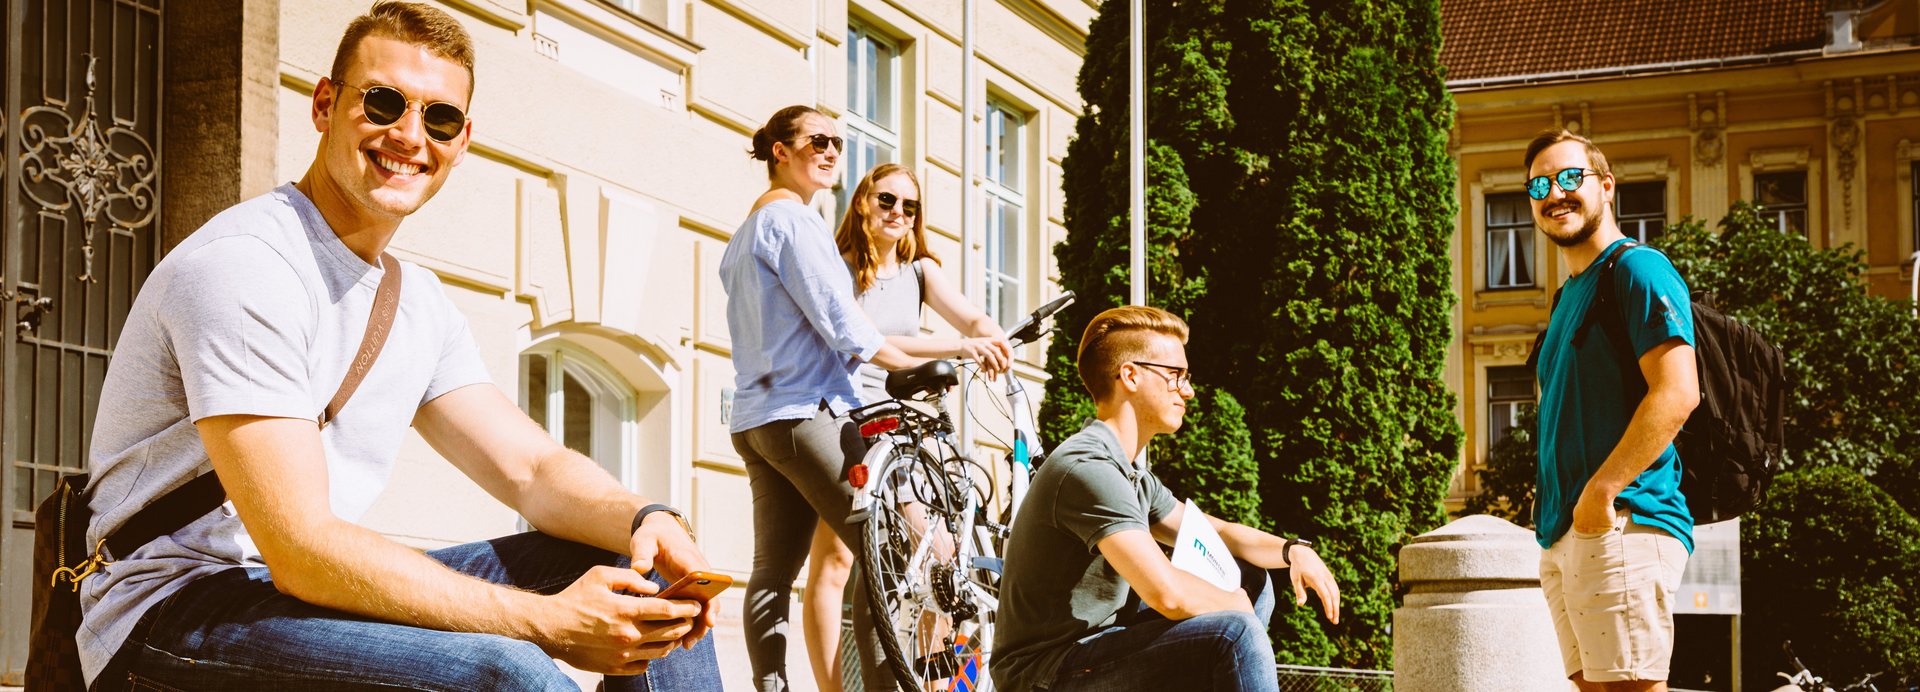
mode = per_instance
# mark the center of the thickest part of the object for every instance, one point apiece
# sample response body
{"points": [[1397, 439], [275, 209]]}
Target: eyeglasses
{"points": [[820, 142], [1569, 180], [385, 105], [1178, 378], [909, 207]]}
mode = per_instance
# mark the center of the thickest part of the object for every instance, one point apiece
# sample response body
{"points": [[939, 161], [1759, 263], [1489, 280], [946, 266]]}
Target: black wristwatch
{"points": [[1286, 551], [657, 507]]}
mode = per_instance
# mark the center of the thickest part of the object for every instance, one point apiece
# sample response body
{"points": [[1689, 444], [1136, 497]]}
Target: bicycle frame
{"points": [[916, 467]]}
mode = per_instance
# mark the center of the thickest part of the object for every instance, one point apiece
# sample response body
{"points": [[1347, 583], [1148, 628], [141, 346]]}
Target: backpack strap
{"points": [[920, 277], [187, 503], [1600, 309], [1607, 312], [1604, 294]]}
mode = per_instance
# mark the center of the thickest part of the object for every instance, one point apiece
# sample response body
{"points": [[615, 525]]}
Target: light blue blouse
{"points": [[798, 335]]}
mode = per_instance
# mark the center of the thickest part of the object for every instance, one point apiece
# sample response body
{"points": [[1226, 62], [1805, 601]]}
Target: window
{"points": [[1509, 396], [1509, 241], [1916, 206], [873, 131], [651, 10], [1641, 209], [590, 411], [1783, 200], [1005, 205]]}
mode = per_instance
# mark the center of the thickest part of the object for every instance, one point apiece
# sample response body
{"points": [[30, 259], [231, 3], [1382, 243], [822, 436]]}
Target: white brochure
{"points": [[1199, 550]]}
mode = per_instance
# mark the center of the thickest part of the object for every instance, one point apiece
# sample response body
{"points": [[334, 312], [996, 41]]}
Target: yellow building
{"points": [[581, 235], [1809, 108]]}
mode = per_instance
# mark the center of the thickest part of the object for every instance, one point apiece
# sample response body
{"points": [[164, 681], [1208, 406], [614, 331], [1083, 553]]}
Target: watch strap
{"points": [[641, 516], [1286, 551]]}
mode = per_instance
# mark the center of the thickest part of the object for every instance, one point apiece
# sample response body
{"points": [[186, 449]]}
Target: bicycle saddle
{"points": [[933, 377]]}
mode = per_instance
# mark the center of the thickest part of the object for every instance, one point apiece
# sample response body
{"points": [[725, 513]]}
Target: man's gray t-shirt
{"points": [[258, 312], [1058, 587]]}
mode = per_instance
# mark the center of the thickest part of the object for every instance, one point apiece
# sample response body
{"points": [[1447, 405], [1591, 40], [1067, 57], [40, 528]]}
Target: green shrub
{"points": [[1301, 206], [1830, 563]]}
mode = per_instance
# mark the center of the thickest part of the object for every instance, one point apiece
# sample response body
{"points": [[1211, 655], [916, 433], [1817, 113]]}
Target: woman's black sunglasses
{"points": [[385, 105], [820, 142], [909, 207]]}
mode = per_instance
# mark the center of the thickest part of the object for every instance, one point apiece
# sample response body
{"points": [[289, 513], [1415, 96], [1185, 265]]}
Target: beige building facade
{"points": [[583, 233]]}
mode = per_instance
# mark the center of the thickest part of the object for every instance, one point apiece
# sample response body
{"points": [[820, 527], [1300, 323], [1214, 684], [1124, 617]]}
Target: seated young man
{"points": [[239, 339], [1088, 530]]}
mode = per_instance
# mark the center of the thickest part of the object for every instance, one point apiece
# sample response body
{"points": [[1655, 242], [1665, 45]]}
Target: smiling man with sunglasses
{"points": [[1090, 535], [1610, 517], [244, 332]]}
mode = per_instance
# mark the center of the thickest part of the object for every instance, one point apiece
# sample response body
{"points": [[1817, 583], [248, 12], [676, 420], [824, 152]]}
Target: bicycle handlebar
{"points": [[1028, 328]]}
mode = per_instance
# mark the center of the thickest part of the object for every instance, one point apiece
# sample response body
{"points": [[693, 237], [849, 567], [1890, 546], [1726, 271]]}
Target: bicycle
{"points": [[931, 557], [1803, 680]]}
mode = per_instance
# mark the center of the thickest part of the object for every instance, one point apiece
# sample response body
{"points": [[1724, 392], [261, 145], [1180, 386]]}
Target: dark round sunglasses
{"points": [[909, 207], [1568, 179], [385, 105]]}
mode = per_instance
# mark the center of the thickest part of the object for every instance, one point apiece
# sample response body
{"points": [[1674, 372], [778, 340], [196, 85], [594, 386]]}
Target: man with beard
{"points": [[1609, 512]]}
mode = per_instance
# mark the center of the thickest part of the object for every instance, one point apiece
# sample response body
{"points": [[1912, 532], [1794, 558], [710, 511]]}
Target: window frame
{"points": [[599, 379], [1639, 221], [1512, 230], [1494, 400], [1778, 213], [862, 126], [1001, 286]]}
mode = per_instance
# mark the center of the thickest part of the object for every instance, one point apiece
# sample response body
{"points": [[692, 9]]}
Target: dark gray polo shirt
{"points": [[1058, 587]]}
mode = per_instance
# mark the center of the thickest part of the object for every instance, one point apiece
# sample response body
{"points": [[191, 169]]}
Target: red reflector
{"points": [[857, 476], [879, 426]]}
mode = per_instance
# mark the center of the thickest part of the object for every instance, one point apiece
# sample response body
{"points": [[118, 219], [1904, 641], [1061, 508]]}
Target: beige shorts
{"points": [[1611, 596]]}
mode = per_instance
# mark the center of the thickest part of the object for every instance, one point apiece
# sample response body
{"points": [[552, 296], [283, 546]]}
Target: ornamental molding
{"points": [[69, 163]]}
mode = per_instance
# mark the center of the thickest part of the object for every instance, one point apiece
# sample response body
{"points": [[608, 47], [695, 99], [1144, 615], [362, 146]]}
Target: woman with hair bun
{"points": [[798, 338], [883, 239]]}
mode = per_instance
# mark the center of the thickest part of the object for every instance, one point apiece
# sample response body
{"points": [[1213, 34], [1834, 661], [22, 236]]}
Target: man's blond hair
{"points": [[1118, 336], [408, 22], [1552, 136]]}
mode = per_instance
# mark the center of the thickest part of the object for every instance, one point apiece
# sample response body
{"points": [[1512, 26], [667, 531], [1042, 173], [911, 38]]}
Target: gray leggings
{"points": [[797, 470]]}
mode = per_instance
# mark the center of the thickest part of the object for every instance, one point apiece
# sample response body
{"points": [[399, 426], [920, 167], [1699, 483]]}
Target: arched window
{"points": [[583, 404]]}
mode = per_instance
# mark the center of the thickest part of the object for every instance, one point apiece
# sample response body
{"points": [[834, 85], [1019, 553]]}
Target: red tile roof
{"points": [[1504, 38]]}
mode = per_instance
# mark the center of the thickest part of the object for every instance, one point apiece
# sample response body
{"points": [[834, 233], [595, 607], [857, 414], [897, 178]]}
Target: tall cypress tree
{"points": [[1300, 207], [1211, 460]]}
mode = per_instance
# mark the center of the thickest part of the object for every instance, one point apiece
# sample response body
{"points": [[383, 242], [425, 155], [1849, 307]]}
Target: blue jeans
{"points": [[234, 631], [1143, 650]]}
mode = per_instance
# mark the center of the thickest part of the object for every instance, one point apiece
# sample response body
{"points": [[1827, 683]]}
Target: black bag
{"points": [[1733, 442], [62, 558], [59, 539]]}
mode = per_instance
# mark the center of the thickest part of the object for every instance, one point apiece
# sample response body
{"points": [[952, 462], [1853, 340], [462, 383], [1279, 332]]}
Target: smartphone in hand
{"points": [[697, 586]]}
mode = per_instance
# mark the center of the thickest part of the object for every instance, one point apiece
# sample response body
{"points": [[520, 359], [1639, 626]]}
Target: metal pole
{"points": [[964, 426], [1136, 156]]}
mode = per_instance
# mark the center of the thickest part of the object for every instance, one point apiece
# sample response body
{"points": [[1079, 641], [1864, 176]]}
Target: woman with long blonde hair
{"points": [[883, 239]]}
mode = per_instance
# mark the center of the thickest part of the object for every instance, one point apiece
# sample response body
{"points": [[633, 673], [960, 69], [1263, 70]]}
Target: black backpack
{"points": [[1732, 444]]}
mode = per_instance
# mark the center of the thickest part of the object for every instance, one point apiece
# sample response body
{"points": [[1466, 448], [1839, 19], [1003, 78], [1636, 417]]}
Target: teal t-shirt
{"points": [[1584, 405]]}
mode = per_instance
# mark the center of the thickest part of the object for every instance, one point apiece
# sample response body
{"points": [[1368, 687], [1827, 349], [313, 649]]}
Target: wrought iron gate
{"points": [[79, 233]]}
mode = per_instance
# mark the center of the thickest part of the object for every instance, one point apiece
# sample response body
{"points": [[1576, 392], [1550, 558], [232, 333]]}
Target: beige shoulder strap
{"points": [[386, 303]]}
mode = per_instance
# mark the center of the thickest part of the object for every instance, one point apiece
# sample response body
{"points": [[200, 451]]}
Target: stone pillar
{"points": [[1474, 617], [221, 126]]}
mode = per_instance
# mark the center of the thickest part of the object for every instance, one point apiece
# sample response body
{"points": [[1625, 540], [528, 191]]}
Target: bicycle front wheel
{"points": [[924, 613]]}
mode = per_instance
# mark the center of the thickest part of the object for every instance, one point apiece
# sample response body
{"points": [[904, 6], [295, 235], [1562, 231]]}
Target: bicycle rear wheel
{"points": [[925, 615]]}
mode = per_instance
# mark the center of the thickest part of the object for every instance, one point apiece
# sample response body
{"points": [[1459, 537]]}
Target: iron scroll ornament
{"points": [[67, 163]]}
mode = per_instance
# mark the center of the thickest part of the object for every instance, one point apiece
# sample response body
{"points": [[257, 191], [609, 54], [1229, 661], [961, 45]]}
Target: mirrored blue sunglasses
{"points": [[1569, 180]]}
